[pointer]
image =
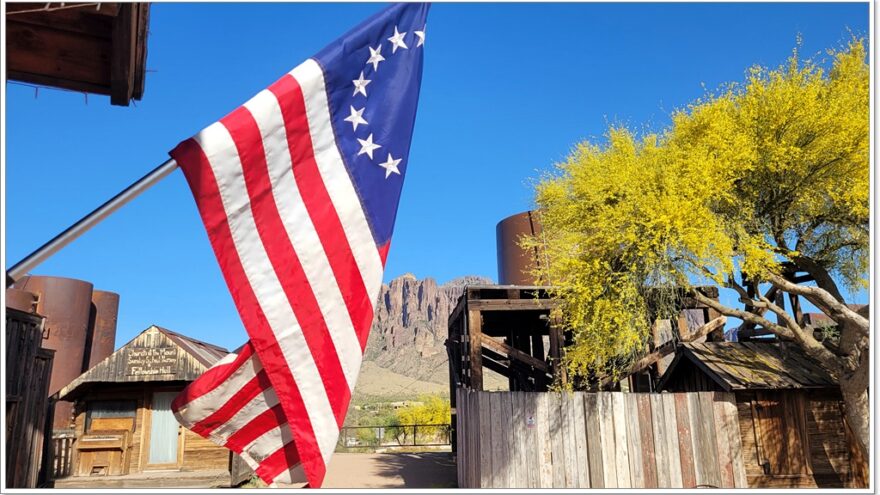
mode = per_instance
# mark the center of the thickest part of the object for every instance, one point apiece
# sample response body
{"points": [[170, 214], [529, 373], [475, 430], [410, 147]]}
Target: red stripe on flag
{"points": [[281, 460], [319, 205], [288, 268], [257, 427], [197, 170], [232, 405], [211, 379]]}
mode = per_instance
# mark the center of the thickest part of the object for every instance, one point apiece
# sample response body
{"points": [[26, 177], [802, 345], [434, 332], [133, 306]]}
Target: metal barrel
{"points": [[515, 264], [102, 327], [66, 304]]}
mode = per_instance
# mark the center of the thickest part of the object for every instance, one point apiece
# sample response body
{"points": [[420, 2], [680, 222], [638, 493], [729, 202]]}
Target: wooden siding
{"points": [[28, 368], [195, 453], [796, 439], [116, 368], [598, 440]]}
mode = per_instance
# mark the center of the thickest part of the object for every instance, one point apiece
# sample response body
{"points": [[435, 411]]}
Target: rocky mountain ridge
{"points": [[410, 327]]}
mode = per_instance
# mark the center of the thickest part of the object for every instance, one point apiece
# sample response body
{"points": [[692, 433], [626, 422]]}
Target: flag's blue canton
{"points": [[373, 75]]}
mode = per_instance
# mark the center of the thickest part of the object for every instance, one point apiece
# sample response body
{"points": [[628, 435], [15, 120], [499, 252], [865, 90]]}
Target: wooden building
{"points": [[98, 48], [28, 413], [125, 432], [790, 412]]}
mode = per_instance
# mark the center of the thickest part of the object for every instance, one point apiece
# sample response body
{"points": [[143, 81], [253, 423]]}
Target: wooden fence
{"points": [[598, 440]]}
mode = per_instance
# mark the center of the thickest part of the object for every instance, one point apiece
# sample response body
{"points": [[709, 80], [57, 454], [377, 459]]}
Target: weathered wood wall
{"points": [[28, 367], [598, 440], [797, 439]]}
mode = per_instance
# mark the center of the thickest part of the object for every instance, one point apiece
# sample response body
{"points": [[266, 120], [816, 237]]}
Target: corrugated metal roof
{"points": [[756, 366]]}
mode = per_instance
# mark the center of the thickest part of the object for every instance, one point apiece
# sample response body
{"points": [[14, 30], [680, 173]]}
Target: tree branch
{"points": [[825, 301], [743, 315], [811, 346]]}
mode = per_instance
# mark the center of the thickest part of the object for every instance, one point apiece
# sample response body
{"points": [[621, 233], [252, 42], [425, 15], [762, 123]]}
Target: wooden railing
{"points": [[62, 448]]}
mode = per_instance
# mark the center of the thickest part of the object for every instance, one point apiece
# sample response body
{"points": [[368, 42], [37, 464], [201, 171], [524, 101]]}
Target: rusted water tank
{"points": [[102, 327], [515, 263], [66, 304], [21, 300]]}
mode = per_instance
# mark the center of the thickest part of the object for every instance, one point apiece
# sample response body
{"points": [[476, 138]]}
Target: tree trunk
{"points": [[855, 397]]}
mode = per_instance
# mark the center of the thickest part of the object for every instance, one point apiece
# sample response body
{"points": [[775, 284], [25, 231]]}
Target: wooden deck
{"points": [[150, 479]]}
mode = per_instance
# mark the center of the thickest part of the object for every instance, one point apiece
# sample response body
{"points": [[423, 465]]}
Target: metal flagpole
{"points": [[87, 222]]}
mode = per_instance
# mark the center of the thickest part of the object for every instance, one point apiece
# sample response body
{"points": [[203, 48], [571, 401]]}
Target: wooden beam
{"points": [[668, 348], [475, 334], [122, 55], [512, 304], [502, 348]]}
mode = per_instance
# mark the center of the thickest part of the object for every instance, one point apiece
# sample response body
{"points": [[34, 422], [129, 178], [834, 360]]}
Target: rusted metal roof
{"points": [[754, 366]]}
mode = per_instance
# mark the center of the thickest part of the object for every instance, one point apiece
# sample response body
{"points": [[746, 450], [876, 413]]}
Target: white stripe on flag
{"points": [[220, 150], [256, 406], [303, 237], [205, 405], [336, 179]]}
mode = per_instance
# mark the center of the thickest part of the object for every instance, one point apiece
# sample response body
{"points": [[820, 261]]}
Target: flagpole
{"points": [[87, 222]]}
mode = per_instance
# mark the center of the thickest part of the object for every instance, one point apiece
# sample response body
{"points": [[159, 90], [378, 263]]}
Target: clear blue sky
{"points": [[507, 90]]}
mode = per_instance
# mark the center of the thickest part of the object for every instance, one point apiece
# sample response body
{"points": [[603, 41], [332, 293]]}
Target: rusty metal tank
{"points": [[21, 300], [102, 327], [66, 304], [514, 262]]}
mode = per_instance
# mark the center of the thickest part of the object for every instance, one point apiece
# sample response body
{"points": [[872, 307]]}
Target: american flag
{"points": [[298, 190]]}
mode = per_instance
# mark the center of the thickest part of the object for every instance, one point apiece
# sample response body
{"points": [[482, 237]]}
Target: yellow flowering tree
{"points": [[765, 178]]}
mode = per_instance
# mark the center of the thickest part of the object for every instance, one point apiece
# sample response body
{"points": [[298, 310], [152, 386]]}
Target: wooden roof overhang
{"points": [[98, 48], [740, 366], [188, 358]]}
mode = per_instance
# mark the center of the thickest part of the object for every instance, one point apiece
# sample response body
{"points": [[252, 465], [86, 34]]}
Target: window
{"points": [[111, 415]]}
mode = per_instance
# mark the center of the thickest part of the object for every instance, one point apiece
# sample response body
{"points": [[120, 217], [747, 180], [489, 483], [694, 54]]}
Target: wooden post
{"points": [[475, 331], [796, 308]]}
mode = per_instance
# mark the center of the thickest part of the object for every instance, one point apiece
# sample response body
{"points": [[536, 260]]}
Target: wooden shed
{"points": [[790, 411], [125, 432]]}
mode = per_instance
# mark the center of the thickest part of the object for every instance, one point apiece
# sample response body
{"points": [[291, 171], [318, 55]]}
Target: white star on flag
{"points": [[375, 57], [356, 118], [421, 36], [390, 166], [397, 40], [367, 146], [360, 85]]}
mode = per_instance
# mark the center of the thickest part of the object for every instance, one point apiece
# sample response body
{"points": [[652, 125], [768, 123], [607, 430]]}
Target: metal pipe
{"points": [[87, 222]]}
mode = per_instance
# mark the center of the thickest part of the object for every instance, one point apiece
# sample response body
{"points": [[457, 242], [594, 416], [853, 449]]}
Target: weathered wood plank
{"points": [[500, 449], [594, 440], [488, 467], [729, 448], [646, 435], [518, 414], [709, 454], [606, 429], [531, 445], [568, 444], [510, 351], [634, 441], [685, 443], [621, 452], [556, 440], [580, 432], [545, 432]]}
